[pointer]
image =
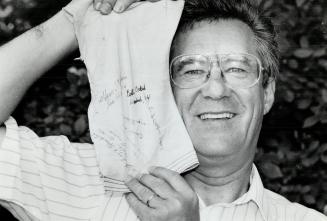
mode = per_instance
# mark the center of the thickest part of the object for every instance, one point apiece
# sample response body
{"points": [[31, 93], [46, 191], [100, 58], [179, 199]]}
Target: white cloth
{"points": [[50, 178], [134, 121]]}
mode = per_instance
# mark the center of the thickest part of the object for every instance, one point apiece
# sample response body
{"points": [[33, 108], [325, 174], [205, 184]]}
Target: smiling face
{"points": [[222, 121]]}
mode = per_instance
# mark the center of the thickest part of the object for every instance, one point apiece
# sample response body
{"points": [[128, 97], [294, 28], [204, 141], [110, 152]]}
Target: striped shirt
{"points": [[50, 178]]}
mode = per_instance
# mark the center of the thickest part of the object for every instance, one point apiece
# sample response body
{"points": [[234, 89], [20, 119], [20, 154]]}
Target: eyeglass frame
{"points": [[209, 57]]}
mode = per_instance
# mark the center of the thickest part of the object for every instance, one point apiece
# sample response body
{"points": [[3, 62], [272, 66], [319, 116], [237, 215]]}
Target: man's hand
{"points": [[163, 195], [106, 6]]}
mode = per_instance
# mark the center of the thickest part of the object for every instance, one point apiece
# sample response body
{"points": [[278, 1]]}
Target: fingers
{"points": [[97, 4], [107, 6], [171, 177], [157, 185], [148, 192], [121, 5], [144, 194], [138, 206]]}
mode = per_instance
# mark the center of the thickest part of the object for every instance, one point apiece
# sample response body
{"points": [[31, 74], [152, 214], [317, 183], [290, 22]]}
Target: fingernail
{"points": [[118, 8], [105, 8], [97, 6]]}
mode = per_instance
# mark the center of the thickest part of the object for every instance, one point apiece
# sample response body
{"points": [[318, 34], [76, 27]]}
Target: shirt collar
{"points": [[256, 193]]}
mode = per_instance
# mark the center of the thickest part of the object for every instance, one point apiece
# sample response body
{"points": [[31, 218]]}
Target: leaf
{"points": [[305, 189], [292, 156], [309, 199], [80, 125], [283, 43], [323, 63], [296, 86], [302, 53], [72, 78], [323, 155], [48, 120], [292, 63], [312, 85], [4, 13], [310, 121], [65, 129], [72, 70], [289, 96], [272, 142], [304, 42], [299, 3], [82, 72], [268, 4], [313, 146], [324, 95], [84, 93], [303, 103], [310, 161], [319, 52], [323, 118], [271, 170], [315, 109], [325, 210]]}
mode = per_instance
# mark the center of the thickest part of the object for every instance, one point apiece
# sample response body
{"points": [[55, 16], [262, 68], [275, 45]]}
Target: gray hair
{"points": [[251, 13]]}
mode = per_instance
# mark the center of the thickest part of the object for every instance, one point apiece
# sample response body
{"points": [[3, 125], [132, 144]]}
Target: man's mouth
{"points": [[217, 116]]}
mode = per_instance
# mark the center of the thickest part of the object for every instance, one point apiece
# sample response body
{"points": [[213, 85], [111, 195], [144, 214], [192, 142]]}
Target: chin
{"points": [[217, 148]]}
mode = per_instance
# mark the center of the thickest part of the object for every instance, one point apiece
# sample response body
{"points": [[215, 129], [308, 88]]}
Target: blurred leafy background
{"points": [[292, 153]]}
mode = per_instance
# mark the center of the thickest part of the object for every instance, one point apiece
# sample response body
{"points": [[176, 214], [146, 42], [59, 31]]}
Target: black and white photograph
{"points": [[163, 110]]}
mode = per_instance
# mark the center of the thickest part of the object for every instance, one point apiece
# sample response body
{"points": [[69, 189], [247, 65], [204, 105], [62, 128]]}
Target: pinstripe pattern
{"points": [[52, 179]]}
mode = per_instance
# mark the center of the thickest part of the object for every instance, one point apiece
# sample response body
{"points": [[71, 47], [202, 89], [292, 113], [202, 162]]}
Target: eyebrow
{"points": [[187, 61], [244, 60]]}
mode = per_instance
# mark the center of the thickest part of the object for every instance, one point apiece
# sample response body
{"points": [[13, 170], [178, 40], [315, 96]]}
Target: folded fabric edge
{"points": [[114, 185]]}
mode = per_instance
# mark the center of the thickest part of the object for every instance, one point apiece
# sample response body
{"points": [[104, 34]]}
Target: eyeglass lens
{"points": [[238, 70]]}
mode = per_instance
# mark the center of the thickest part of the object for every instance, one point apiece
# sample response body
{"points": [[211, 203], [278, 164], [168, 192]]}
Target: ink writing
{"points": [[135, 90]]}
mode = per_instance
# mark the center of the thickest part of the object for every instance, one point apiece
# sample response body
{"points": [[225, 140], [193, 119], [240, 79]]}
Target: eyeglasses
{"points": [[194, 70]]}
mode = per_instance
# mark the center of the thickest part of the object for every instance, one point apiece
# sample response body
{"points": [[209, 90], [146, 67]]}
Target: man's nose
{"points": [[216, 87]]}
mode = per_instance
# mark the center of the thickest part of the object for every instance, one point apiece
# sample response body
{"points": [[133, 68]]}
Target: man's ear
{"points": [[269, 95]]}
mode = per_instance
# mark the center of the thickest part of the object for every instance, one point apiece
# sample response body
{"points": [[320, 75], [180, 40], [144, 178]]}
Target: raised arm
{"points": [[25, 58]]}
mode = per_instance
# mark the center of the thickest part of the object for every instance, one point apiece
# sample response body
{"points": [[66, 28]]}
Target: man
{"points": [[223, 66]]}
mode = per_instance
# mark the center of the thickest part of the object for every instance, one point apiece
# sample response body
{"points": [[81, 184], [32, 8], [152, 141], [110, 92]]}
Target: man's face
{"points": [[218, 136]]}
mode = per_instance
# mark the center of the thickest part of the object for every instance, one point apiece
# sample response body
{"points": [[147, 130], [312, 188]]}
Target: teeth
{"points": [[216, 116]]}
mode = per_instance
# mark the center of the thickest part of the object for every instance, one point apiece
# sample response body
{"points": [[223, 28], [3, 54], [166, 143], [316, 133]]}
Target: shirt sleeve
{"points": [[47, 178]]}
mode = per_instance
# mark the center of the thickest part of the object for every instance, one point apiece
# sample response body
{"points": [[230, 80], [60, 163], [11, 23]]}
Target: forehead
{"points": [[217, 37]]}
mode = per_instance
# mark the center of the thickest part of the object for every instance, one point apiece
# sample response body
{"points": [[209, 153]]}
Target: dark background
{"points": [[292, 150]]}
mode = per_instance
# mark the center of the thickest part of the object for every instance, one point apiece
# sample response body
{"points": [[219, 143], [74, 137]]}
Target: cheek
{"points": [[253, 103], [183, 99], [256, 109], [182, 105]]}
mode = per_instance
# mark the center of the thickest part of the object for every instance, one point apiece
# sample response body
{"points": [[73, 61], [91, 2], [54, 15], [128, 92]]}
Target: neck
{"points": [[221, 182]]}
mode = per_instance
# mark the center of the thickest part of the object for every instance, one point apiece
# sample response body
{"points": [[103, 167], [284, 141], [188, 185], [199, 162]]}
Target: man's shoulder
{"points": [[24, 142], [304, 213], [48, 172]]}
